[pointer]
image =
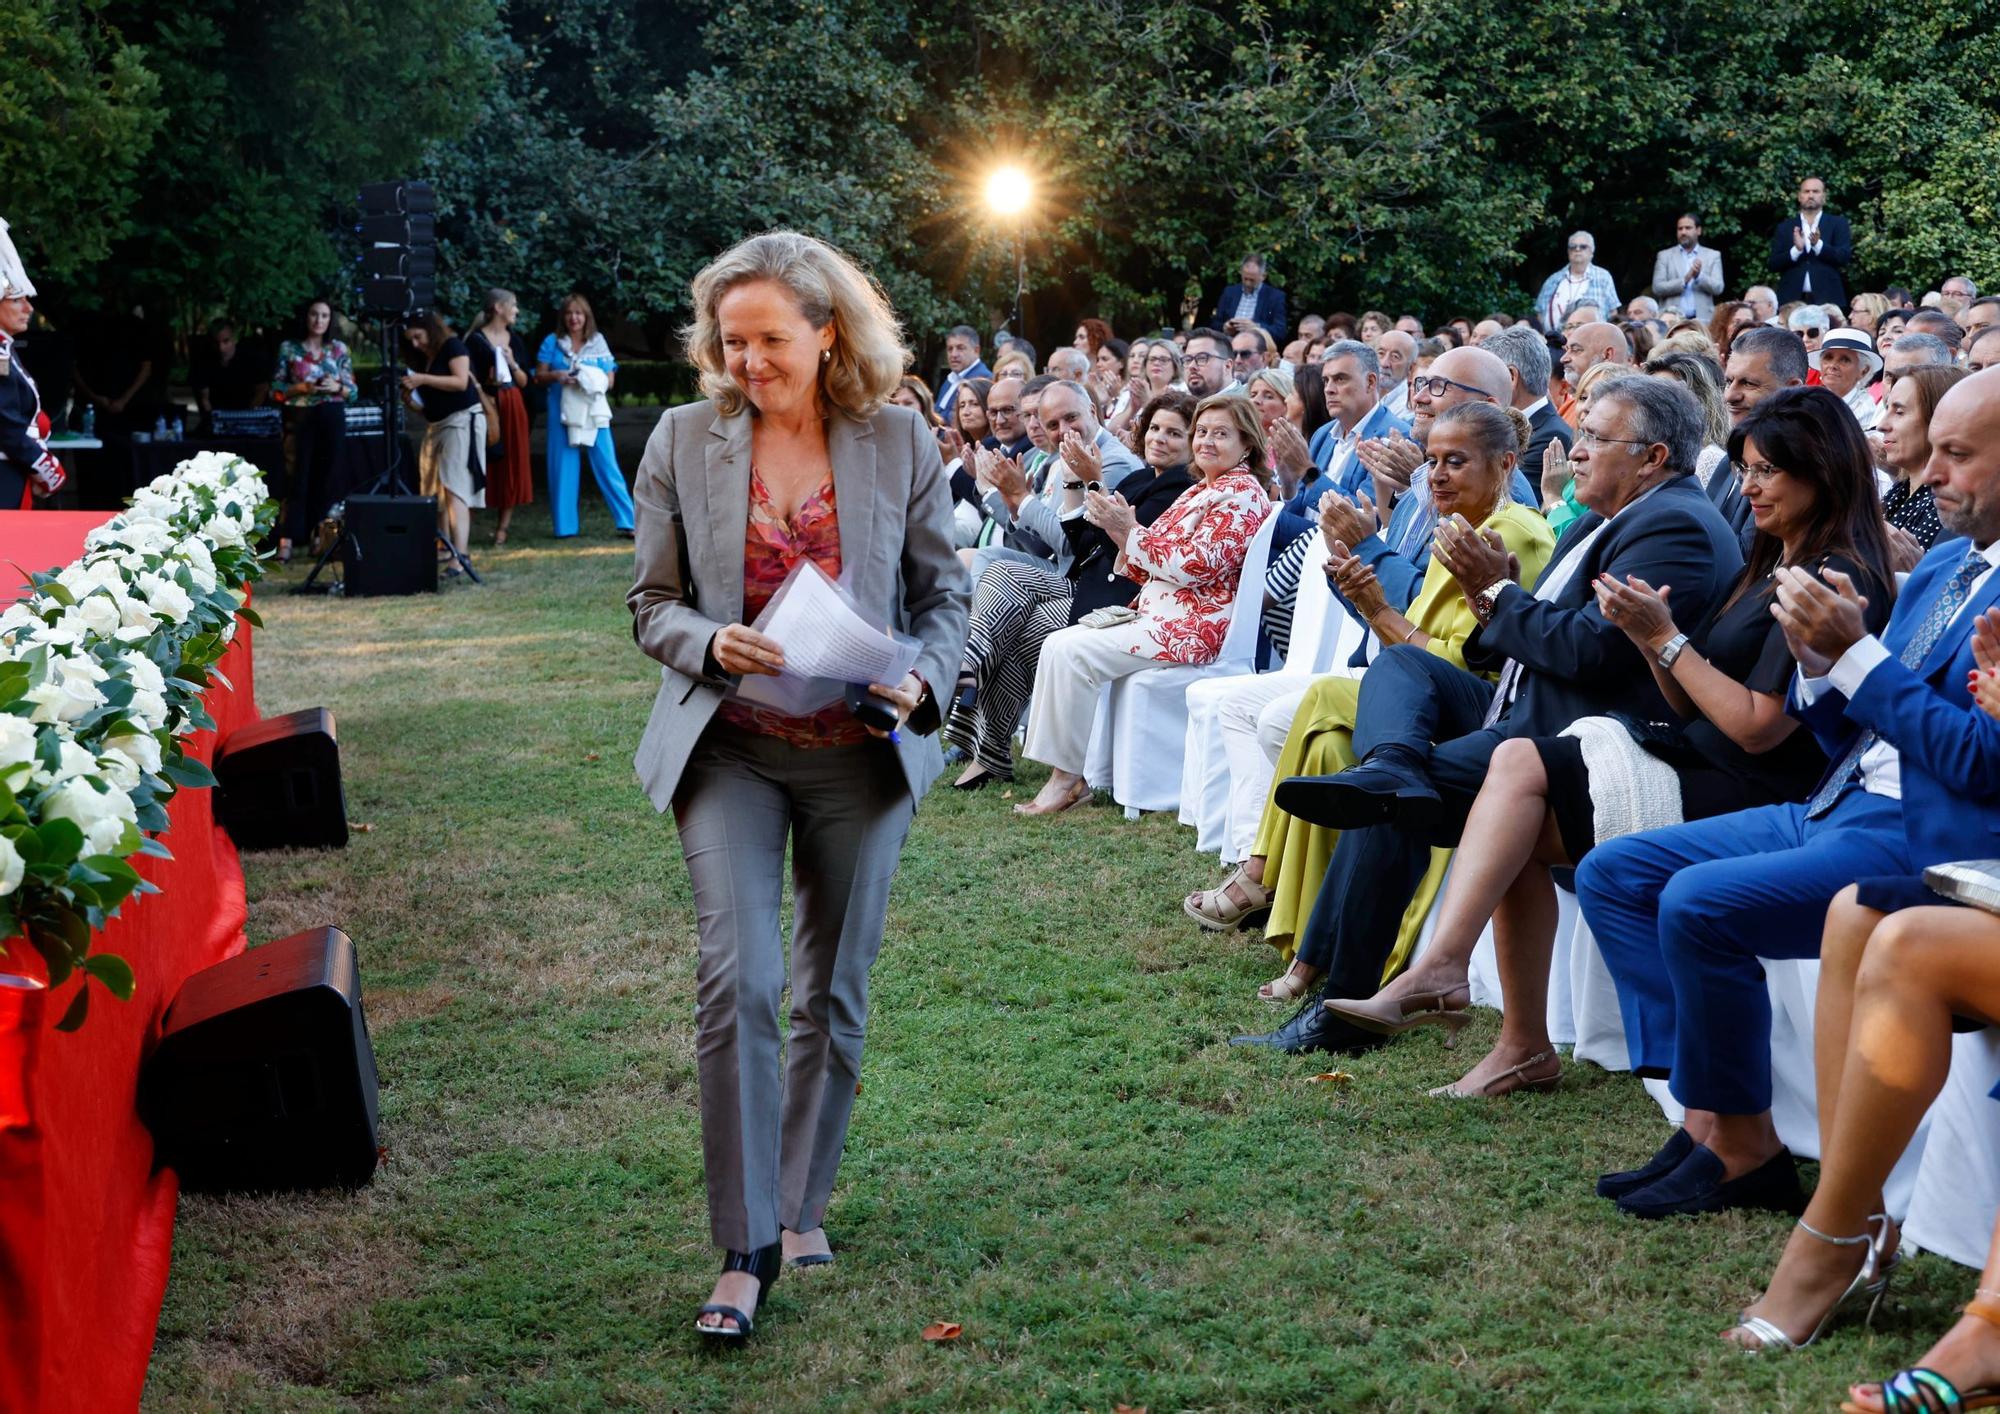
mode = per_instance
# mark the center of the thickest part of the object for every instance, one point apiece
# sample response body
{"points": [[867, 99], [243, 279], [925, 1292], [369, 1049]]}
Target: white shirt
{"points": [[1881, 763], [1246, 308], [1397, 399], [1532, 408], [1862, 404], [1810, 225]]}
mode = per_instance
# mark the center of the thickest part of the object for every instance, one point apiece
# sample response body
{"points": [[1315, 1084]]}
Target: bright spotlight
{"points": [[1008, 191]]}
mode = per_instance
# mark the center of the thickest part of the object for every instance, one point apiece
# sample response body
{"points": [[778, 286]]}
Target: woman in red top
{"points": [[1187, 564]]}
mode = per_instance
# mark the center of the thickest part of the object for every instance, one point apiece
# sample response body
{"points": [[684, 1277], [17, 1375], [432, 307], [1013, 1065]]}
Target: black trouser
{"points": [[316, 435], [13, 484], [1409, 700]]}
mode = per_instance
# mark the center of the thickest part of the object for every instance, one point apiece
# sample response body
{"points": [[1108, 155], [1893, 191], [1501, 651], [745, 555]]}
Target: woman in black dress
{"points": [[1547, 801]]}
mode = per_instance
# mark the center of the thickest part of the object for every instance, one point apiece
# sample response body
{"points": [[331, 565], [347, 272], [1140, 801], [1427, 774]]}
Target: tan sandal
{"points": [[1288, 988], [1078, 793], [1215, 912]]}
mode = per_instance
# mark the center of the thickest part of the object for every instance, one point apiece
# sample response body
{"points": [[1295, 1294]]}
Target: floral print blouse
{"points": [[1187, 564], [770, 548], [296, 366]]}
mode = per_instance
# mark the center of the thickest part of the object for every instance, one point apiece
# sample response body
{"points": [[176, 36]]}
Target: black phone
{"points": [[869, 710]]}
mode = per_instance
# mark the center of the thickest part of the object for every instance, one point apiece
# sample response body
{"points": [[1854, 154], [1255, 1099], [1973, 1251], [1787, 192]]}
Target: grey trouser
{"points": [[771, 1151]]}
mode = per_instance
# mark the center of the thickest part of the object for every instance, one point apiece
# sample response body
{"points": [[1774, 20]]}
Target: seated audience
{"points": [[1525, 352], [1187, 564], [1903, 437], [1701, 375], [1559, 499], [1017, 604], [1761, 361], [1547, 801], [1847, 364], [1683, 915], [1474, 448], [1022, 498], [1425, 730], [1270, 393], [1982, 350]]}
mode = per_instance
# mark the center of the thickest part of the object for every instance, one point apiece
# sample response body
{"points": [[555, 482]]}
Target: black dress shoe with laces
{"points": [[1313, 1028], [1372, 793]]}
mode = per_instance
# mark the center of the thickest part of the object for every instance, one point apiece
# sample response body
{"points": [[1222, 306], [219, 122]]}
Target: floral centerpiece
{"points": [[102, 669]]}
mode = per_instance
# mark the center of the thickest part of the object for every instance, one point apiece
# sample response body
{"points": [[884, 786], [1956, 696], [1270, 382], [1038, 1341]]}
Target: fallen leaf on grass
{"points": [[593, 756], [1128, 1409], [361, 829], [942, 1330], [1006, 795], [1334, 1077]]}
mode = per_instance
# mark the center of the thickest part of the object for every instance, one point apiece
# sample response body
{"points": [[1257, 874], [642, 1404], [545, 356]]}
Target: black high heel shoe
{"points": [[764, 1264]]}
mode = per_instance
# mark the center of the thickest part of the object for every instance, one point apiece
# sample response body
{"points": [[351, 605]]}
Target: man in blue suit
{"points": [[1252, 300], [1426, 729], [1682, 915], [962, 362]]}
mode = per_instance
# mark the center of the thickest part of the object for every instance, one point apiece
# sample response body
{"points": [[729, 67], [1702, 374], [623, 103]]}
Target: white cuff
{"points": [[1855, 664], [1795, 252]]}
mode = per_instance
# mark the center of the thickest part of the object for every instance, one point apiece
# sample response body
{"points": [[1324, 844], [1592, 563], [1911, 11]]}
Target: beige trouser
{"points": [[1076, 664]]}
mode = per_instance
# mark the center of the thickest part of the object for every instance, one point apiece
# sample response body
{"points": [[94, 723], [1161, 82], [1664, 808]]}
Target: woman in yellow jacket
{"points": [[1473, 450]]}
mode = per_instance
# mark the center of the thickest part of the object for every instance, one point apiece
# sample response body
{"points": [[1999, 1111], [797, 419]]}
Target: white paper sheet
{"points": [[827, 645]]}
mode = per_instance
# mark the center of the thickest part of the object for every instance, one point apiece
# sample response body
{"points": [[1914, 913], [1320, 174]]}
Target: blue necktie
{"points": [[1951, 598]]}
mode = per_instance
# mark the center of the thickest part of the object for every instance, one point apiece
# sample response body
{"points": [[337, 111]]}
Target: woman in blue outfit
{"points": [[577, 345]]}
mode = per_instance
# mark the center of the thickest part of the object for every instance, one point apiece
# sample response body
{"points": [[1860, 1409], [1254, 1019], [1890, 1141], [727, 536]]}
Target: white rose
{"points": [[148, 709], [98, 616], [225, 531], [102, 815], [105, 571], [128, 754], [63, 699], [11, 867], [17, 747], [18, 616], [163, 596], [73, 761], [142, 672]]}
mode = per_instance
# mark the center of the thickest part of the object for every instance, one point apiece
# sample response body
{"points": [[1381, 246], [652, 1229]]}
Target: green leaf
{"points": [[79, 1008], [187, 771], [61, 841], [114, 972]]}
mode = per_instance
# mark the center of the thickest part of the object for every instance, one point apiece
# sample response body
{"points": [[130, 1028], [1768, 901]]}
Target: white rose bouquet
{"points": [[103, 665]]}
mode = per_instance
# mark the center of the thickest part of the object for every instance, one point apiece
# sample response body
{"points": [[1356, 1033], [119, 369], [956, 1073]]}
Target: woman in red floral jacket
{"points": [[1187, 563]]}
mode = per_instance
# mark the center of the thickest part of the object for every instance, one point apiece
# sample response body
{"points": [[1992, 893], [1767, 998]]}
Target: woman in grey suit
{"points": [[796, 454]]}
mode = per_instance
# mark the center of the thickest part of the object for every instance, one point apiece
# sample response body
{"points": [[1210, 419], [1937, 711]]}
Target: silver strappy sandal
{"points": [[1867, 1282]]}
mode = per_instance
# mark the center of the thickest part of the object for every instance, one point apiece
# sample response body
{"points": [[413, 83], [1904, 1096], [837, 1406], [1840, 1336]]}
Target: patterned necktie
{"points": [[1951, 598]]}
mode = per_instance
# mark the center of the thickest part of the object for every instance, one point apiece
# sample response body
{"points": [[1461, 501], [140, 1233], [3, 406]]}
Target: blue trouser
{"points": [[563, 477], [1683, 914]]}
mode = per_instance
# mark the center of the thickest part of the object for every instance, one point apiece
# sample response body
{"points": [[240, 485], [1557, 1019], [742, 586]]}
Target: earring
{"points": [[826, 355]]}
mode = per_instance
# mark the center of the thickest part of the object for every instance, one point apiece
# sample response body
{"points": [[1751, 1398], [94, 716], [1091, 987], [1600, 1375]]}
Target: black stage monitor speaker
{"points": [[278, 783], [390, 545], [264, 1078]]}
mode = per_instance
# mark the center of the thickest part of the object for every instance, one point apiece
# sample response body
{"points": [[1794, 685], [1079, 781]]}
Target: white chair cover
{"points": [[1956, 1196], [1138, 741]]}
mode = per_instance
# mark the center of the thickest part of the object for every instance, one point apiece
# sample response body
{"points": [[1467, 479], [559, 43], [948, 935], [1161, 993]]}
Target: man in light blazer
{"points": [[1687, 275], [798, 353]]}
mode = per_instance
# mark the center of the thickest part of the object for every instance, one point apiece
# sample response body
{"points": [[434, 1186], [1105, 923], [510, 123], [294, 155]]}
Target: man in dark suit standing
{"points": [[1254, 300], [1426, 729], [1810, 248]]}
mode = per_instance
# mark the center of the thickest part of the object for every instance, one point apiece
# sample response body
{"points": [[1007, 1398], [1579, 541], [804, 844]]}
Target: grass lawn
{"points": [[1054, 1147]]}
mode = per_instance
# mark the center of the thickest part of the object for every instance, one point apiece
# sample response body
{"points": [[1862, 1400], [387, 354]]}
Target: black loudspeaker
{"points": [[278, 783], [264, 1078], [389, 547]]}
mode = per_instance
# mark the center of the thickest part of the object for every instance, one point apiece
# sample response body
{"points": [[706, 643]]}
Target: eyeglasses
{"points": [[1581, 245], [1002, 409], [1587, 438], [1762, 474], [1436, 386], [1205, 358]]}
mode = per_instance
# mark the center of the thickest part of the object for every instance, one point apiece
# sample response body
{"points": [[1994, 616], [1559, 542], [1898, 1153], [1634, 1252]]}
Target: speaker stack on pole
{"points": [[398, 265]]}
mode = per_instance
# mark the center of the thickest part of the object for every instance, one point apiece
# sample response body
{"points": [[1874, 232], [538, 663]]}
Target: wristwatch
{"points": [[1486, 598], [1672, 650]]}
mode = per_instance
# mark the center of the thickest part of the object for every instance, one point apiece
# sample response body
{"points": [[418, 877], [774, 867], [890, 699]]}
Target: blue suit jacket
{"points": [[1301, 513], [947, 395], [1950, 749], [1270, 308]]}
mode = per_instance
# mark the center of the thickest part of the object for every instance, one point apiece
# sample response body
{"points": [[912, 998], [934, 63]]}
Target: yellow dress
{"points": [[1321, 741]]}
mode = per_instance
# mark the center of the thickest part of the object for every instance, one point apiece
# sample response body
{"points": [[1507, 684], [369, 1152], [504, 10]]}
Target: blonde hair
{"points": [[1257, 450], [1276, 379], [866, 362], [1013, 364], [1689, 338]]}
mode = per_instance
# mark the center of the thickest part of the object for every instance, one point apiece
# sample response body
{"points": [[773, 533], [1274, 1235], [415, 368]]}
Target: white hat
{"points": [[14, 281], [1849, 339]]}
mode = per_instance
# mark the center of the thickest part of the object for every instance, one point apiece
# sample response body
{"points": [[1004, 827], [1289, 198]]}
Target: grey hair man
{"points": [[1917, 351], [1956, 293], [1763, 302], [1526, 353], [1397, 351], [1642, 307], [1070, 363], [1939, 325]]}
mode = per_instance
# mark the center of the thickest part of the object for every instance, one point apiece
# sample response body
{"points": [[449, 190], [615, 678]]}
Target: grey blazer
{"points": [[693, 498], [1669, 268]]}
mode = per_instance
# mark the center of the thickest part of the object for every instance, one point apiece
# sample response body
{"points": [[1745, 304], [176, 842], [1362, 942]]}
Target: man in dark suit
{"points": [[962, 363], [1425, 729], [1683, 915], [1253, 300], [1810, 248], [1526, 353]]}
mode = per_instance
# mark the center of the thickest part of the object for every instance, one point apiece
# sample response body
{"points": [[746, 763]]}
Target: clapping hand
{"points": [[1110, 513], [1798, 237], [1904, 550], [1555, 471], [1475, 558], [1821, 620], [1985, 679], [1392, 459], [1345, 522], [1007, 478], [1637, 608], [1358, 585], [951, 443], [1083, 459], [1288, 449]]}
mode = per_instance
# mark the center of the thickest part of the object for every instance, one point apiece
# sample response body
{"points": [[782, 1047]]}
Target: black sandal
{"points": [[763, 1264], [810, 1259]]}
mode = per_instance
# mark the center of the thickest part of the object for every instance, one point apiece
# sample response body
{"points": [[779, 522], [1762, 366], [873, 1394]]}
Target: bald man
{"points": [[1426, 729], [1588, 345], [1683, 915]]}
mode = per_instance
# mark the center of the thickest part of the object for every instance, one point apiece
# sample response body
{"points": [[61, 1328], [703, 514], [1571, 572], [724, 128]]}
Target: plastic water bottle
{"points": [[90, 420], [179, 431]]}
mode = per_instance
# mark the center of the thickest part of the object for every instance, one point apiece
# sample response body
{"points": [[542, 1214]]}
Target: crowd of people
{"points": [[1684, 602]]}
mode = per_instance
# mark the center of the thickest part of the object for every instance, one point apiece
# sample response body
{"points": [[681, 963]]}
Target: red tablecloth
{"points": [[86, 1224]]}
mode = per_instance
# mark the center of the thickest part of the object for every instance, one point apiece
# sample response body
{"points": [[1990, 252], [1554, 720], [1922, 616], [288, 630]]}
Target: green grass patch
{"points": [[1054, 1145]]}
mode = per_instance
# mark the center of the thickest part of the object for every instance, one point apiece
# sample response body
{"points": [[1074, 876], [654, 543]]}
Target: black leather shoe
{"points": [[1314, 1028], [1617, 1185], [764, 1264], [1372, 793], [1697, 1186]]}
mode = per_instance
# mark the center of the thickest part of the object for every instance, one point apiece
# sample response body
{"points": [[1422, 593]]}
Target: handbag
{"points": [[1970, 881], [1110, 616]]}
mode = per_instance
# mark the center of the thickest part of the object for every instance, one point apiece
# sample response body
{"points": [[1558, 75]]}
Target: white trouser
{"points": [[1076, 664], [1241, 718]]}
